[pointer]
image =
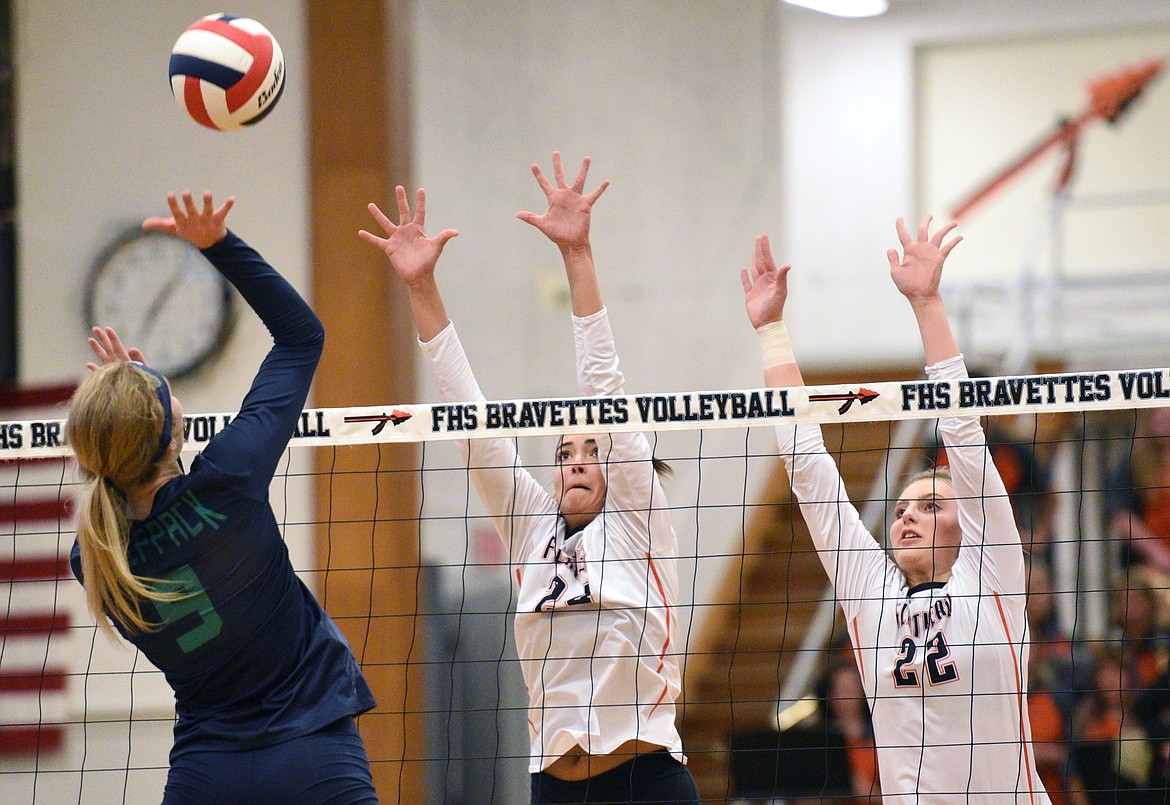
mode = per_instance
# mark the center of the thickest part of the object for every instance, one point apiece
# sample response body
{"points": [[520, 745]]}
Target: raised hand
{"points": [[108, 348], [918, 272], [202, 227], [566, 221], [765, 288], [411, 253]]}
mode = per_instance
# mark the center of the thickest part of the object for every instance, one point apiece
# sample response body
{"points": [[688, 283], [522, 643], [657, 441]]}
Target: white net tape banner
{"points": [[915, 399]]}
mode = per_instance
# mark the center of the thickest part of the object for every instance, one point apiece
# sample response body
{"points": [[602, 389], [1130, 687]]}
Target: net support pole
{"points": [[359, 144], [1067, 541], [1094, 584]]}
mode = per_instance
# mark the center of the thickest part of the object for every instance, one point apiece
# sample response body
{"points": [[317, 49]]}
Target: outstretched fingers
{"points": [[371, 238], [167, 224], [403, 205], [224, 209], [189, 204], [541, 180], [763, 265], [749, 277], [940, 235], [765, 286], [762, 259], [903, 232], [444, 236], [559, 170], [745, 279], [562, 183], [579, 182], [420, 207], [596, 194], [108, 348], [945, 250], [173, 205], [102, 342], [197, 221], [895, 260], [157, 223], [924, 228], [387, 225]]}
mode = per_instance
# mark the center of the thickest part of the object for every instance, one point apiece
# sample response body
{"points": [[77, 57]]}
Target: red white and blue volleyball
{"points": [[227, 72]]}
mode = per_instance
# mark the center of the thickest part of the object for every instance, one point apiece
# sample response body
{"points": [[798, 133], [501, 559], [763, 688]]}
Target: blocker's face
{"points": [[579, 482], [925, 535]]}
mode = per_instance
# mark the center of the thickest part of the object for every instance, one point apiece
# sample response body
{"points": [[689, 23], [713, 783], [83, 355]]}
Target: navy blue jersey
{"points": [[252, 657]]}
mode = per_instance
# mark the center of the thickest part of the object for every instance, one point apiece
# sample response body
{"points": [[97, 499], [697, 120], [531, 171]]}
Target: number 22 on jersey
{"points": [[936, 662]]}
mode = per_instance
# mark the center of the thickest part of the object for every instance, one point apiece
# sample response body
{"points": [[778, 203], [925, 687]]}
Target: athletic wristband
{"points": [[775, 348]]}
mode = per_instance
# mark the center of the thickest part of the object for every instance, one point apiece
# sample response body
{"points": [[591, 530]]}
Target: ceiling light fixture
{"points": [[845, 8]]}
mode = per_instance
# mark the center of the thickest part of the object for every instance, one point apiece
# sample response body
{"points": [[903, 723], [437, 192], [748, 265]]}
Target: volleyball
{"points": [[227, 72]]}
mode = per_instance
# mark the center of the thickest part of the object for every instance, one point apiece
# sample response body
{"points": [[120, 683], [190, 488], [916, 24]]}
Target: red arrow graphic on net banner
{"points": [[863, 396], [395, 417]]}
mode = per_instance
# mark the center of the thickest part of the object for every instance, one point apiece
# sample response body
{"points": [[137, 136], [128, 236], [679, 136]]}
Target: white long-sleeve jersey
{"points": [[594, 622], [944, 665]]}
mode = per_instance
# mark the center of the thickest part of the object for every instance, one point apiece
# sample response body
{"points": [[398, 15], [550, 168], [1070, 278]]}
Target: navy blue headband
{"points": [[164, 396]]}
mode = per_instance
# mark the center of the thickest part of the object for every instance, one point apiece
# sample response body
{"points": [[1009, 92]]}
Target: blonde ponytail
{"points": [[115, 425]]}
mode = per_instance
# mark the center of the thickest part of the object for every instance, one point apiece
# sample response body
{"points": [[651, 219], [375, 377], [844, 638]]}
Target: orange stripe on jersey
{"points": [[666, 604], [1019, 695], [518, 580], [666, 643], [661, 696]]}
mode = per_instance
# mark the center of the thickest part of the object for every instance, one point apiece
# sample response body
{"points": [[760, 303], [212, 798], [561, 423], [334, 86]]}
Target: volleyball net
{"points": [[382, 521]]}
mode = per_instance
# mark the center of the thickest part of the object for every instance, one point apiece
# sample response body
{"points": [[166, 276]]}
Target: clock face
{"points": [[163, 296]]}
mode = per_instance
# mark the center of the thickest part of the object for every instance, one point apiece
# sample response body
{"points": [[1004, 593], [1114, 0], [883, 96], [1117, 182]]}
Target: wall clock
{"points": [[163, 296]]}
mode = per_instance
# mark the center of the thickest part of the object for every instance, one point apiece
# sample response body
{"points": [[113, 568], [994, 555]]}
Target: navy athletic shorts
{"points": [[655, 777], [327, 766]]}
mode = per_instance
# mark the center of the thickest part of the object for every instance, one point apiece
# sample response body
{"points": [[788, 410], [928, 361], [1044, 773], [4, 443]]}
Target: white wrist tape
{"points": [[775, 347]]}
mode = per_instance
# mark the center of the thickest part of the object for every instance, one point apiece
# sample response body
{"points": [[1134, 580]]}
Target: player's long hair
{"points": [[933, 473], [114, 427]]}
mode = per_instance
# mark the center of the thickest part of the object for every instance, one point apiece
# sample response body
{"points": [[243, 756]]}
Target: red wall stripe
{"points": [[35, 511], [31, 739], [32, 681], [45, 568], [33, 625], [36, 396]]}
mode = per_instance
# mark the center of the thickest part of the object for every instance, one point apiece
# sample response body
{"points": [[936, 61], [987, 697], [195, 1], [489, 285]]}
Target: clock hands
{"points": [[160, 299]]}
